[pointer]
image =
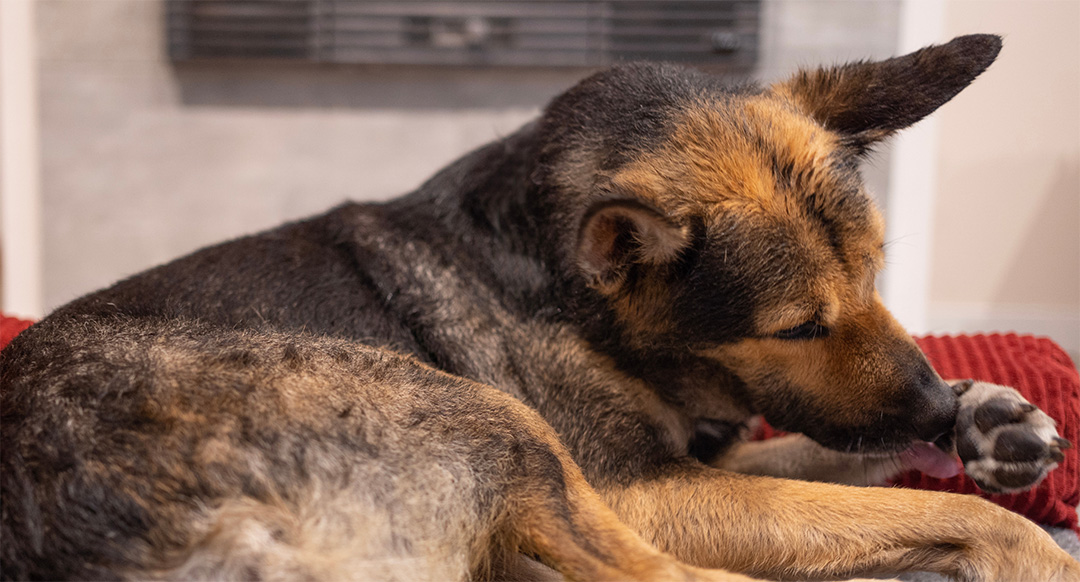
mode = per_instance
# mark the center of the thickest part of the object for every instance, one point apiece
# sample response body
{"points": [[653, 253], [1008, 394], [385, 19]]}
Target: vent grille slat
{"points": [[722, 34], [451, 9]]}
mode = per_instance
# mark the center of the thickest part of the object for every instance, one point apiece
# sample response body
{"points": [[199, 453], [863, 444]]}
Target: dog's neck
{"points": [[487, 193], [485, 214], [489, 214]]}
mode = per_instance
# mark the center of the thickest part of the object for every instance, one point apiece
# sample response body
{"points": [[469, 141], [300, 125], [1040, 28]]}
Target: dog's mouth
{"points": [[936, 459], [929, 459], [933, 459]]}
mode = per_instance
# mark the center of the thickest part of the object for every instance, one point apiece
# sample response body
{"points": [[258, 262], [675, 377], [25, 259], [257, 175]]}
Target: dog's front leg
{"points": [[795, 456], [793, 529]]}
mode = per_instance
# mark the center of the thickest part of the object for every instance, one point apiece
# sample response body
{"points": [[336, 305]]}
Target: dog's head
{"points": [[732, 224]]}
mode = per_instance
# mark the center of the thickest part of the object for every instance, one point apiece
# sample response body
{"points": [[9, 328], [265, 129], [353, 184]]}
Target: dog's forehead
{"points": [[755, 163], [753, 154], [743, 151]]}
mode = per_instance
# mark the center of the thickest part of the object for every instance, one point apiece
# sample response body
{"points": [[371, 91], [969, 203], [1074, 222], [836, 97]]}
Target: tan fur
{"points": [[707, 170], [830, 366], [826, 531], [705, 167]]}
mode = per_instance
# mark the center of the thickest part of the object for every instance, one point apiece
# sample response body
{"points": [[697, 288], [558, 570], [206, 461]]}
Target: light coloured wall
{"points": [[144, 160], [812, 33], [1007, 219], [20, 208]]}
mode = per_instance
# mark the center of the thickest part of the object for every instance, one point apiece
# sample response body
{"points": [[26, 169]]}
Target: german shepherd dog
{"points": [[542, 361]]}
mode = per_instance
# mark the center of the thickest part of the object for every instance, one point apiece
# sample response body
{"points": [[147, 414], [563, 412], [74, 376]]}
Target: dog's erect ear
{"points": [[865, 102], [618, 233]]}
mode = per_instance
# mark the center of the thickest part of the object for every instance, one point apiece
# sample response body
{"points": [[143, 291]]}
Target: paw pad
{"points": [[1006, 443]]}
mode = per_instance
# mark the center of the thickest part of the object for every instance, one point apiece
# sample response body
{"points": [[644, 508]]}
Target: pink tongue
{"points": [[931, 460]]}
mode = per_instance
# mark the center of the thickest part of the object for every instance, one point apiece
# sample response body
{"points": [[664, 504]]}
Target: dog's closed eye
{"points": [[804, 331]]}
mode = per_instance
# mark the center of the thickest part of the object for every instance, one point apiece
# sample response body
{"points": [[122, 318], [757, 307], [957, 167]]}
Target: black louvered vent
{"points": [[531, 33]]}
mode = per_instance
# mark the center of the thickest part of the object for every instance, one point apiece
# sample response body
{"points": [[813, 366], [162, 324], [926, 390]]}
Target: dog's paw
{"points": [[1006, 547], [1005, 442]]}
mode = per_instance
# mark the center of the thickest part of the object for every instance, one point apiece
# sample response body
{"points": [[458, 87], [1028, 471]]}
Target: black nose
{"points": [[933, 405]]}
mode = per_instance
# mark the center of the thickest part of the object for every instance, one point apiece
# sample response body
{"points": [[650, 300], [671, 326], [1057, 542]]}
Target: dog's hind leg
{"points": [[552, 514], [584, 540]]}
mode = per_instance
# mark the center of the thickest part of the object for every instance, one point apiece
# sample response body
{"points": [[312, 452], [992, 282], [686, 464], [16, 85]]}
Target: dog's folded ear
{"points": [[618, 233], [866, 101]]}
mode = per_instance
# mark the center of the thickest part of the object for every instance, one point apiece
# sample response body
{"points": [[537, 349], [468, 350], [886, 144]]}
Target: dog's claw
{"points": [[1057, 449], [962, 386], [1006, 443]]}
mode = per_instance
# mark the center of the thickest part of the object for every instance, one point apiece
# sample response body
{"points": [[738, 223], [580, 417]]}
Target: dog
{"points": [[542, 361]]}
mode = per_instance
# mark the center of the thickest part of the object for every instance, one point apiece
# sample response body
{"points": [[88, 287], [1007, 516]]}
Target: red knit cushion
{"points": [[1041, 371], [1037, 367], [1044, 374], [11, 327]]}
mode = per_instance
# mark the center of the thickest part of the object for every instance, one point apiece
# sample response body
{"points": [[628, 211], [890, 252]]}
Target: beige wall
{"points": [[144, 160], [1007, 219], [20, 216]]}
